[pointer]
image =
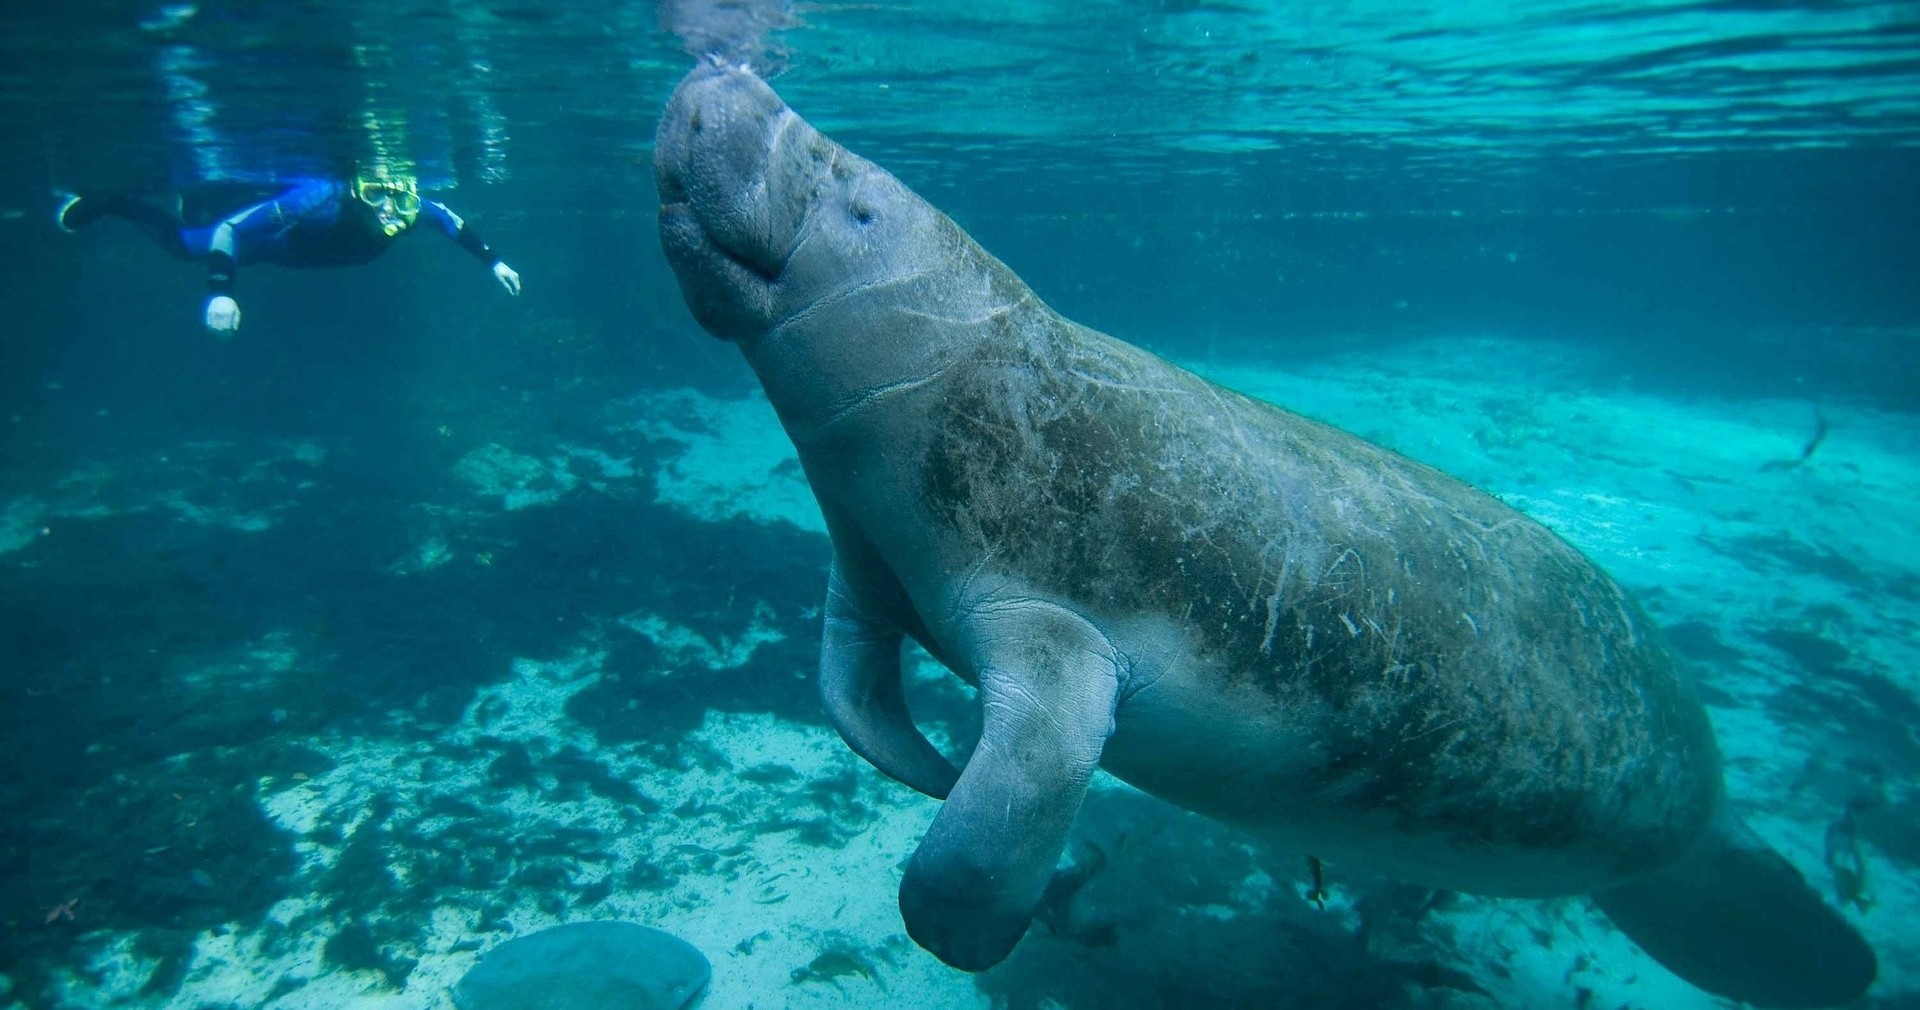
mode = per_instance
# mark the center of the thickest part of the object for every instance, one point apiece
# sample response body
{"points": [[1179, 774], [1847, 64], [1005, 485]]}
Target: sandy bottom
{"points": [[1685, 501]]}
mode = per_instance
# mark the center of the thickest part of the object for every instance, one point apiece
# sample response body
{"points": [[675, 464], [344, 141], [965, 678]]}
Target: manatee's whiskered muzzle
{"points": [[717, 144], [726, 239]]}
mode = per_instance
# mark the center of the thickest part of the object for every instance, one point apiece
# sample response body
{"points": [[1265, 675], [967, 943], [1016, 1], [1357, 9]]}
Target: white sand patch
{"points": [[428, 555], [117, 970], [682, 644], [736, 459], [520, 480], [532, 705], [1553, 949]]}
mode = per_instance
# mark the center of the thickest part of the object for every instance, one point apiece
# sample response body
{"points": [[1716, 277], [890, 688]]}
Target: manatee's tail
{"points": [[1736, 919]]}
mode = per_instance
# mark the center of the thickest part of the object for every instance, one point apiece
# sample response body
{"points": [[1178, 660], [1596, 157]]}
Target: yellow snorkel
{"points": [[396, 202]]}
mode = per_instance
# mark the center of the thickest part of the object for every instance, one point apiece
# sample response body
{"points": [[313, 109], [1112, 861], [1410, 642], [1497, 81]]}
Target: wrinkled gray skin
{"points": [[1247, 613]]}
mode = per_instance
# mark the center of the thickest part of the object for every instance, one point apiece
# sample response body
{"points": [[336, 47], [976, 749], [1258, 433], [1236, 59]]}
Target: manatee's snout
{"points": [[713, 154], [723, 224]]}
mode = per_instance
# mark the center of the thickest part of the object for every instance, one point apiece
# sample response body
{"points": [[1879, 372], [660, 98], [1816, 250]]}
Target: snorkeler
{"points": [[309, 223]]}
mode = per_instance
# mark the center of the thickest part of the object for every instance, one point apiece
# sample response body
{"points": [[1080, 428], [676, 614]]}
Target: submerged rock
{"points": [[587, 966]]}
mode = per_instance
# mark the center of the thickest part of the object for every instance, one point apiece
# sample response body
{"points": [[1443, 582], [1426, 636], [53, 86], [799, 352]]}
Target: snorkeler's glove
{"points": [[223, 315], [509, 278]]}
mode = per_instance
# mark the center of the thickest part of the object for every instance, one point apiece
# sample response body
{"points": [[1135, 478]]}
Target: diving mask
{"points": [[395, 203]]}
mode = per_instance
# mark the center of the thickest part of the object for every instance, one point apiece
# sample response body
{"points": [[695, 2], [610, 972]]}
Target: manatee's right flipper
{"points": [[1049, 683], [1736, 919], [865, 701]]}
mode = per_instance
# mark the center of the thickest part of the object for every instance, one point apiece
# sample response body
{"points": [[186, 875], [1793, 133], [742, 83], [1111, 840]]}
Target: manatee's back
{"points": [[1457, 672], [1461, 670]]}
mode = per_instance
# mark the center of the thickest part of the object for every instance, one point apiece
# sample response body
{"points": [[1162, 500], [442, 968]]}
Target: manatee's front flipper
{"points": [[1736, 919], [1049, 683], [860, 684]]}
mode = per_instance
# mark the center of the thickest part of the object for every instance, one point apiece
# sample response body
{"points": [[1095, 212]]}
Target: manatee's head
{"points": [[763, 218]]}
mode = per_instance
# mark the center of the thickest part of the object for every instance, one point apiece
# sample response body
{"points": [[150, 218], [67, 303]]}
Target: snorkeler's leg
{"points": [[77, 210]]}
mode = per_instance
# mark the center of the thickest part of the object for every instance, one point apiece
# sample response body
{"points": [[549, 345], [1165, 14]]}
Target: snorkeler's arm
{"points": [[222, 312], [456, 228], [223, 257], [252, 228]]}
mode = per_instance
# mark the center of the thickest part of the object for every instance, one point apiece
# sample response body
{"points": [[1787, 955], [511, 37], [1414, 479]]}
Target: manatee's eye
{"points": [[862, 214]]}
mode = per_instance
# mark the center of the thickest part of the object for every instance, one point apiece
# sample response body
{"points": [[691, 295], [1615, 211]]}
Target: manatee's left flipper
{"points": [[865, 700], [1049, 683]]}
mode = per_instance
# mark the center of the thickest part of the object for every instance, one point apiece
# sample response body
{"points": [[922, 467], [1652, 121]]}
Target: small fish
{"points": [[835, 965]]}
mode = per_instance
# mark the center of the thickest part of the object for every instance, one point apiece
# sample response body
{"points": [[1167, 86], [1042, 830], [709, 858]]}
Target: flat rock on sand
{"points": [[587, 966]]}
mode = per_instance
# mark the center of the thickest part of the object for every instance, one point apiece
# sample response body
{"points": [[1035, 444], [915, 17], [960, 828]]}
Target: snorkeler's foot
{"points": [[74, 213]]}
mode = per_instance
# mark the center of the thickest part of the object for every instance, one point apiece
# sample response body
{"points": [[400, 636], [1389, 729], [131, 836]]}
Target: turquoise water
{"points": [[416, 617], [473, 92]]}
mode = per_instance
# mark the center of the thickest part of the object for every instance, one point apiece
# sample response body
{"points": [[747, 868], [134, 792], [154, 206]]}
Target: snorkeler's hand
{"points": [[223, 315], [509, 278]]}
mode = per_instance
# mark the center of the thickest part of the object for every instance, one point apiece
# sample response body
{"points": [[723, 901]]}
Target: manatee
{"points": [[1247, 613]]}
